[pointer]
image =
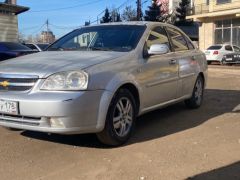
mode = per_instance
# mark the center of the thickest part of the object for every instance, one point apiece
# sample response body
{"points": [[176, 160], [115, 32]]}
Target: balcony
{"points": [[199, 9], [214, 6]]}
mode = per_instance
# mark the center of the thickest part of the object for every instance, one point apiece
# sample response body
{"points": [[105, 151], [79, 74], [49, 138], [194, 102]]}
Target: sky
{"points": [[65, 15]]}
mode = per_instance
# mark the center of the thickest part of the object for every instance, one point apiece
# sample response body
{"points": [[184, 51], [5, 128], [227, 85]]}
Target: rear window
{"points": [[214, 47], [228, 48], [15, 46]]}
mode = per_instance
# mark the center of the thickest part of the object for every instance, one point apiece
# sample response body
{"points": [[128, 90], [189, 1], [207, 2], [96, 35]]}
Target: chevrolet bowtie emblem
{"points": [[4, 83]]}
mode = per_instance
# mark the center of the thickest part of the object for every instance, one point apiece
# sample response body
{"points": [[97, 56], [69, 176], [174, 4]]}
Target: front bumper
{"points": [[58, 112]]}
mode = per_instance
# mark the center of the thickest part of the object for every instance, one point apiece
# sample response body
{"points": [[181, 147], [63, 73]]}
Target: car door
{"points": [[187, 56], [159, 72]]}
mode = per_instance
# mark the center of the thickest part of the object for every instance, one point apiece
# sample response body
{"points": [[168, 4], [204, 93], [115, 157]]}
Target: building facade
{"points": [[9, 21], [220, 21], [47, 37]]}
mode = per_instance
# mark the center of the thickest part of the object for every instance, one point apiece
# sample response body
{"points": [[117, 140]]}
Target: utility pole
{"points": [[47, 31], [139, 10]]}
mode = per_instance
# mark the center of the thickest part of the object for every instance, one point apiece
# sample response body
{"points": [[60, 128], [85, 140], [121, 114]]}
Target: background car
{"points": [[216, 53], [232, 58], [37, 47], [10, 50]]}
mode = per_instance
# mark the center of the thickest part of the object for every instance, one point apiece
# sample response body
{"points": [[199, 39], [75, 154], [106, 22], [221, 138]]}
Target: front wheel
{"points": [[120, 119], [197, 96]]}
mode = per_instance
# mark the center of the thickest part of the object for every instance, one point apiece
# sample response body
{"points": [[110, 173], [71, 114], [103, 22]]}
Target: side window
{"points": [[228, 48], [236, 49], [178, 41], [190, 44], [158, 36]]}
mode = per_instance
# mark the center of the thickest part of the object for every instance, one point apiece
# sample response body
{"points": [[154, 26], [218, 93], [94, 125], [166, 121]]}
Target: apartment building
{"points": [[220, 21], [9, 11], [47, 37]]}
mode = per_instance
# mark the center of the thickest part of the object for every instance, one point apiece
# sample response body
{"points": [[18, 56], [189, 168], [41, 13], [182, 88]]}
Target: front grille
{"points": [[22, 120], [10, 82]]}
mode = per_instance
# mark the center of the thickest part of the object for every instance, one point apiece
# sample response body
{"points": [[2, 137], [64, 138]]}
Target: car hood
{"points": [[46, 63]]}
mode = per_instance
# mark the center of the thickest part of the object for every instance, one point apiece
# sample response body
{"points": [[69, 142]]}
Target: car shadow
{"points": [[230, 172], [160, 123]]}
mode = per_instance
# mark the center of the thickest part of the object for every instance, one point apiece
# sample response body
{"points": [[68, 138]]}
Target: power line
{"points": [[63, 27], [35, 32], [64, 8]]}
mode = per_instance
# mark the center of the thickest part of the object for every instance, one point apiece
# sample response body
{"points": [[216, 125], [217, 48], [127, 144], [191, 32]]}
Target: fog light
{"points": [[56, 123]]}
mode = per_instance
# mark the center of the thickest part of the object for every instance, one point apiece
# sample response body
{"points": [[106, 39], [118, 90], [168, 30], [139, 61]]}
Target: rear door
{"points": [[187, 57]]}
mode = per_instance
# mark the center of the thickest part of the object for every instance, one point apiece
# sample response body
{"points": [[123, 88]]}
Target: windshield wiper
{"points": [[55, 49], [100, 49]]}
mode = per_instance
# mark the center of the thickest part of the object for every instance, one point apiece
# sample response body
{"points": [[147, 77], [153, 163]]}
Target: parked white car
{"points": [[216, 52]]}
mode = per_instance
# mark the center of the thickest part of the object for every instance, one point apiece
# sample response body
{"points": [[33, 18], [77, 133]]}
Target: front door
{"points": [[159, 72]]}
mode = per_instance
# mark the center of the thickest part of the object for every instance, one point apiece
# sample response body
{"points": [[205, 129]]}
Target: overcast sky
{"points": [[63, 15]]}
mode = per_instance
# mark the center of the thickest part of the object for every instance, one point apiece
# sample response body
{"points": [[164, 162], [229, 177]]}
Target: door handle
{"points": [[172, 61]]}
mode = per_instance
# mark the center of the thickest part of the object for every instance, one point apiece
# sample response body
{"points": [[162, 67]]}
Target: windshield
{"points": [[214, 47], [102, 38]]}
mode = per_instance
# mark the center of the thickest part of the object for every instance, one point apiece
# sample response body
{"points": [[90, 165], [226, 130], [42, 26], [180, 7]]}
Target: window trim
{"points": [[173, 49], [169, 40]]}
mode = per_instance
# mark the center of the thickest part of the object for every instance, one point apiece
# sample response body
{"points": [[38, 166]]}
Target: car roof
{"points": [[136, 23]]}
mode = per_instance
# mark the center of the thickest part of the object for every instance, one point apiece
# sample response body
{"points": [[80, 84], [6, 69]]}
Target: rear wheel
{"points": [[120, 119], [197, 96]]}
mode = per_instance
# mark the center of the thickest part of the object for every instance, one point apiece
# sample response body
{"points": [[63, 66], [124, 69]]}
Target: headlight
{"points": [[66, 81]]}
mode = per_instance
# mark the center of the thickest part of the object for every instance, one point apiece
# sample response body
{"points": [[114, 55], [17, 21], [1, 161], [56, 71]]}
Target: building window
{"points": [[227, 31], [223, 1]]}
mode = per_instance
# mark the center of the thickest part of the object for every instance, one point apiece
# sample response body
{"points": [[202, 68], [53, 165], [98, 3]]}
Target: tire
{"points": [[197, 96], [120, 120]]}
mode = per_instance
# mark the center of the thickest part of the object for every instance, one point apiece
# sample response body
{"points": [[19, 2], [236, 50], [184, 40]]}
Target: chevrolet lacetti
{"points": [[99, 79]]}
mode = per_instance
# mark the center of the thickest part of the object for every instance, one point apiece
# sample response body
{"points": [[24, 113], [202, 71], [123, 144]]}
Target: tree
{"points": [[87, 23], [154, 12], [181, 12], [106, 18], [21, 37], [115, 16], [129, 14]]}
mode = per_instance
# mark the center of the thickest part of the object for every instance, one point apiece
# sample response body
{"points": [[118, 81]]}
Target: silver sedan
{"points": [[99, 79]]}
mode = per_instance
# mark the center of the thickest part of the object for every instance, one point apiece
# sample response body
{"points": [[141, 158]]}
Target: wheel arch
{"points": [[133, 90], [201, 74]]}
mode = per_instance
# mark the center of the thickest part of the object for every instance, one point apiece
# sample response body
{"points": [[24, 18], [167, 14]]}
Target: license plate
{"points": [[228, 59], [8, 107]]}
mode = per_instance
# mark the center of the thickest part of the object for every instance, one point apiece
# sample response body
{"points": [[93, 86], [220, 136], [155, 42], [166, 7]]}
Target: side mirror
{"points": [[158, 49]]}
